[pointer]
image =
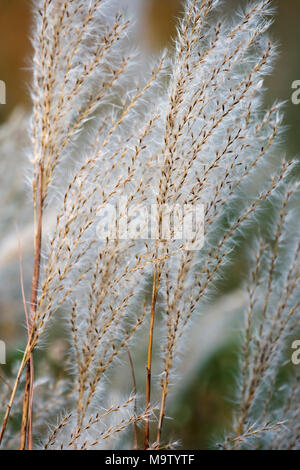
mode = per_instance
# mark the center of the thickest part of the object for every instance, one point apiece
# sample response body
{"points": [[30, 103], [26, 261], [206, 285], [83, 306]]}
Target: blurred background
{"points": [[202, 407]]}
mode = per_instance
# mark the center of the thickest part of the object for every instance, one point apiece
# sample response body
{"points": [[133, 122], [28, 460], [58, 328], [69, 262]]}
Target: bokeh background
{"points": [[202, 407]]}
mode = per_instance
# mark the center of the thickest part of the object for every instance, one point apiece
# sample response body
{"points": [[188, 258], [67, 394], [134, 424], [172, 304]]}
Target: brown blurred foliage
{"points": [[160, 19], [15, 21]]}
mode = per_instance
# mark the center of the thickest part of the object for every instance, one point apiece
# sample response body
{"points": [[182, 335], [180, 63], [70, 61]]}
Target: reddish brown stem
{"points": [[25, 408], [14, 391], [30, 432], [150, 346], [28, 394]]}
